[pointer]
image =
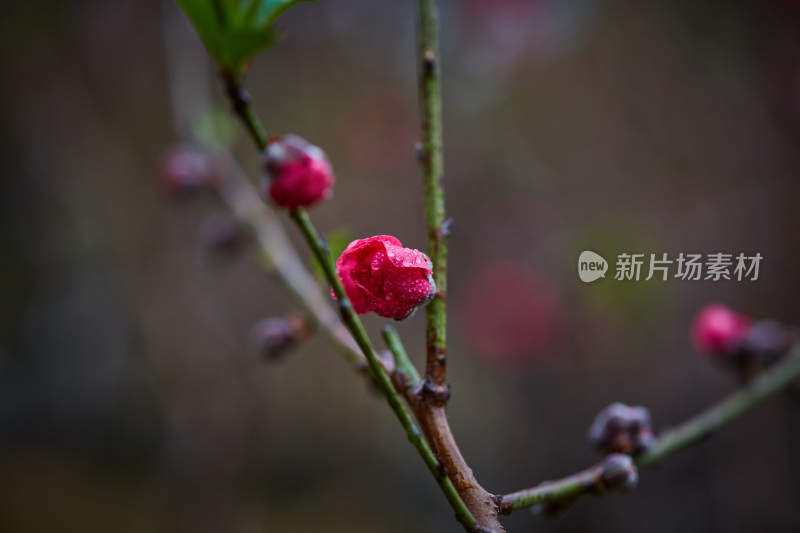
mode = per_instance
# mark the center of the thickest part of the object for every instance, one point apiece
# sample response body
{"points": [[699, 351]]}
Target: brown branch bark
{"points": [[482, 504]]}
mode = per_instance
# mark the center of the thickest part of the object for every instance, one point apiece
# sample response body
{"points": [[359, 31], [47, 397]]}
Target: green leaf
{"points": [[235, 30]]}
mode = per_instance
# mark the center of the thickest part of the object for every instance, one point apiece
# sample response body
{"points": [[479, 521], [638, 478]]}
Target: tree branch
{"points": [[615, 472], [768, 383], [436, 427], [431, 160], [356, 328], [434, 392]]}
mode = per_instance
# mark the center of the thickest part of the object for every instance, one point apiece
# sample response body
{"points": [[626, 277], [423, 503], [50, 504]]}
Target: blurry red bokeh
{"points": [[511, 311]]}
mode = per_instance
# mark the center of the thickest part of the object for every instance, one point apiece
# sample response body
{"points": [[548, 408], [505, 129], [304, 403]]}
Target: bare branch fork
{"points": [[426, 396]]}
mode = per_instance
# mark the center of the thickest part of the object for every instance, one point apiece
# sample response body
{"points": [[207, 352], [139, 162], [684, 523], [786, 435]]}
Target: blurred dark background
{"points": [[130, 397]]}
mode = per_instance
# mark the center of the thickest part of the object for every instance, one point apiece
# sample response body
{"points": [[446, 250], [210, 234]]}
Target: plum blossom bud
{"points": [[621, 429], [186, 169], [275, 336], [766, 342], [618, 473], [297, 172], [718, 330], [379, 275]]}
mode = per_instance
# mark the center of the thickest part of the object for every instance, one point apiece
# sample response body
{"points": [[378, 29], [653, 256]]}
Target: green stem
{"points": [[566, 489], [430, 100], [403, 364], [240, 101], [768, 383], [353, 323]]}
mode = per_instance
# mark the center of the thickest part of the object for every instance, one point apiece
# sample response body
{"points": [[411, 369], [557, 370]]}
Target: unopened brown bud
{"points": [[618, 472], [766, 342], [620, 428], [276, 336]]}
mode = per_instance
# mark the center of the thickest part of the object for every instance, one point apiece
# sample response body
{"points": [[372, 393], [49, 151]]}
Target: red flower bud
{"points": [[380, 275], [297, 172], [717, 330]]}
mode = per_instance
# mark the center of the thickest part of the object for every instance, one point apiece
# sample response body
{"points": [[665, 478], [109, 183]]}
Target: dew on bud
{"points": [[380, 275]]}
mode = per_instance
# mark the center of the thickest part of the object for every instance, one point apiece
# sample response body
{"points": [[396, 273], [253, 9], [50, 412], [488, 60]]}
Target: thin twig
{"points": [[431, 160], [243, 200], [242, 107], [768, 383], [567, 488], [356, 328], [616, 472], [190, 90], [405, 376]]}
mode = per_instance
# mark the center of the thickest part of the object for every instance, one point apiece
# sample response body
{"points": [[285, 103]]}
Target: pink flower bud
{"points": [[380, 275], [717, 330], [297, 172]]}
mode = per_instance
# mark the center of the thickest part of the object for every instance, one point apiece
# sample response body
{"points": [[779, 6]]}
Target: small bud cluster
{"points": [[744, 345], [620, 428], [274, 337]]}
